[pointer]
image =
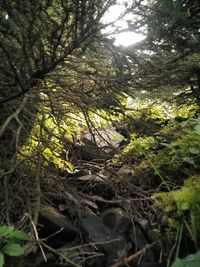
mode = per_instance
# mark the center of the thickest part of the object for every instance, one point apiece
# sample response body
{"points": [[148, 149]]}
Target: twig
{"points": [[60, 254], [13, 116], [90, 244], [57, 232], [133, 256], [170, 254], [37, 237], [6, 199], [38, 189], [92, 256]]}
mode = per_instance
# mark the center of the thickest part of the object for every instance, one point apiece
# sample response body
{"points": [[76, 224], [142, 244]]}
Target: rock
{"points": [[105, 138], [102, 148], [95, 230], [89, 152], [108, 241], [92, 178], [116, 219]]}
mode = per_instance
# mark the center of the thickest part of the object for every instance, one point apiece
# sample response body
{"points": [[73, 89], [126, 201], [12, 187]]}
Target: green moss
{"points": [[136, 148], [186, 111], [183, 201]]}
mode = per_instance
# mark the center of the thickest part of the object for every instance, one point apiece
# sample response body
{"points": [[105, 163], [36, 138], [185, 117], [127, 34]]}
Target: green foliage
{"points": [[174, 24], [167, 148], [190, 261], [181, 149], [10, 242], [54, 136], [48, 137], [185, 147], [137, 144], [136, 148], [12, 249], [182, 201], [185, 111], [169, 61], [1, 259]]}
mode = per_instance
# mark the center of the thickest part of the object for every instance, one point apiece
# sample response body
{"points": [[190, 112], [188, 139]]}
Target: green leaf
{"points": [[17, 234], [178, 263], [5, 230], [1, 259], [192, 260], [12, 249], [194, 150], [189, 160], [197, 128]]}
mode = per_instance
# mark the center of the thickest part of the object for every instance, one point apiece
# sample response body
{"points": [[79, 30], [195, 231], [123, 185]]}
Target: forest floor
{"points": [[130, 200]]}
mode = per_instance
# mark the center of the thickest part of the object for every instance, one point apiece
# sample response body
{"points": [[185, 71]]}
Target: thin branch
{"points": [[37, 237], [13, 116], [134, 256]]}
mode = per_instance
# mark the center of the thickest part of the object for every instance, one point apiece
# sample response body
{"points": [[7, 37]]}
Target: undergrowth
{"points": [[173, 154], [183, 202]]}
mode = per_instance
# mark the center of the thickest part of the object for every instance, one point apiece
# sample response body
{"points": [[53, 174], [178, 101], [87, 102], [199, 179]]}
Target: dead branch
{"points": [[133, 256], [13, 116]]}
